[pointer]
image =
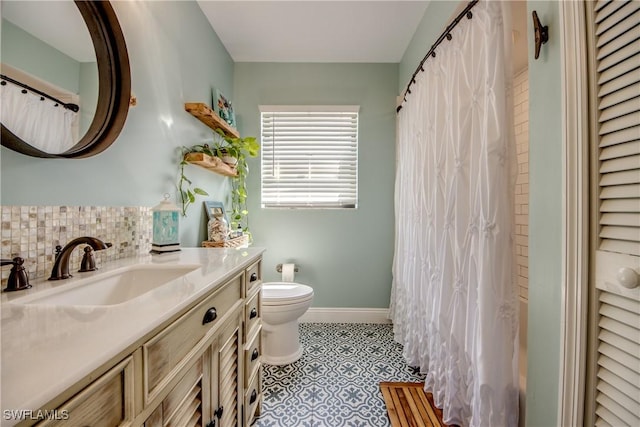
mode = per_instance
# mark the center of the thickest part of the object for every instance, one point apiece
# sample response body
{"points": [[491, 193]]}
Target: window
{"points": [[309, 156]]}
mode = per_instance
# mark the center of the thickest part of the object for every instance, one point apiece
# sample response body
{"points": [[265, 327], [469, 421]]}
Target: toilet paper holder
{"points": [[279, 268]]}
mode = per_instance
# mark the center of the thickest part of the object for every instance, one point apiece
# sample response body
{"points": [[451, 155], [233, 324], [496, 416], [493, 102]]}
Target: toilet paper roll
{"points": [[288, 272]]}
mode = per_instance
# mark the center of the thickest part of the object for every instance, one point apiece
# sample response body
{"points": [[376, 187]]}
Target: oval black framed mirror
{"points": [[114, 87]]}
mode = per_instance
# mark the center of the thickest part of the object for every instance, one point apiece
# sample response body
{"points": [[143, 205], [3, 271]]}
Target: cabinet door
{"points": [[188, 403], [227, 381]]}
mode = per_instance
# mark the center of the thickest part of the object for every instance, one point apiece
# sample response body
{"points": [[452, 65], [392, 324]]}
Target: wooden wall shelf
{"points": [[213, 164], [206, 115]]}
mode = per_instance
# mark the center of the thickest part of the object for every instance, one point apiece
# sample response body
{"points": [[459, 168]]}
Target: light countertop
{"points": [[45, 349]]}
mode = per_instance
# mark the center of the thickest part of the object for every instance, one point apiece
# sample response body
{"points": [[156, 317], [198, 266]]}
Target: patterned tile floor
{"points": [[335, 383]]}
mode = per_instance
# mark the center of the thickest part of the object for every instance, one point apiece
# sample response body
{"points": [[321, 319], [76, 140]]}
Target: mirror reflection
{"points": [[49, 67]]}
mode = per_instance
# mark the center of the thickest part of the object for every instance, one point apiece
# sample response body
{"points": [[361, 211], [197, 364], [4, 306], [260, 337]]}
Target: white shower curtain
{"points": [[41, 123], [453, 302]]}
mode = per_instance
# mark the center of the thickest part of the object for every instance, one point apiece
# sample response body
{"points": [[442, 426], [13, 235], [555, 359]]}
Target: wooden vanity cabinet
{"points": [[201, 370], [166, 354], [211, 386], [209, 389], [252, 324]]}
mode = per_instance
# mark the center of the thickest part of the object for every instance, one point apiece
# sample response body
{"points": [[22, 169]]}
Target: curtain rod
{"points": [[68, 106], [446, 34]]}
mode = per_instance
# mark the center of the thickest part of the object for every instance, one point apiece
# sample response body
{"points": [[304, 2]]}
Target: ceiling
{"points": [[366, 31], [329, 30], [315, 31]]}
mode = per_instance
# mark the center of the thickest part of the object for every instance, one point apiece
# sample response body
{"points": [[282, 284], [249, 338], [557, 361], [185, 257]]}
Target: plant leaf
{"points": [[200, 191]]}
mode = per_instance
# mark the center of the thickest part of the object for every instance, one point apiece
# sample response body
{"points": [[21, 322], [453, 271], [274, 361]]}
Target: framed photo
{"points": [[223, 108], [213, 207]]}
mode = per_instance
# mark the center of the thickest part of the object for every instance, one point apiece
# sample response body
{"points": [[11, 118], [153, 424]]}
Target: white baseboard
{"points": [[345, 315]]}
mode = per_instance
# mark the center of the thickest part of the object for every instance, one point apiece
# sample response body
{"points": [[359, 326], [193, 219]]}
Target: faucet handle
{"points": [[18, 277], [88, 260]]}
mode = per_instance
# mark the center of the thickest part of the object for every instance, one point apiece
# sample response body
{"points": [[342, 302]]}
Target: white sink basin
{"points": [[111, 288]]}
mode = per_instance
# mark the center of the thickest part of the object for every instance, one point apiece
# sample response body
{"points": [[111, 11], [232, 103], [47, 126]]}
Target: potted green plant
{"points": [[239, 149], [233, 151], [185, 186]]}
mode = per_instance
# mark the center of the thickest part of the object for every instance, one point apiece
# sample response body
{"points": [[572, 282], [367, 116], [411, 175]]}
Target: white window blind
{"points": [[309, 156], [617, 93]]}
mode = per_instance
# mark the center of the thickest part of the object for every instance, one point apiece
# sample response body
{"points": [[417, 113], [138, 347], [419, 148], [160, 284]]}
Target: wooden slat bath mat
{"points": [[408, 405]]}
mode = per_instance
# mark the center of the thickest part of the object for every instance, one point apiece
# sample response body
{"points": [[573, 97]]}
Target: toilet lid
{"points": [[278, 292]]}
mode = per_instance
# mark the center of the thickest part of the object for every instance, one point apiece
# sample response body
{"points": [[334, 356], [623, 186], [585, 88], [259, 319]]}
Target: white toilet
{"points": [[282, 305]]}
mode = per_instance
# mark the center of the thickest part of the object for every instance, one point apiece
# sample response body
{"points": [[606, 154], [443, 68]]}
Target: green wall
{"points": [[175, 58], [545, 221], [434, 21], [344, 254]]}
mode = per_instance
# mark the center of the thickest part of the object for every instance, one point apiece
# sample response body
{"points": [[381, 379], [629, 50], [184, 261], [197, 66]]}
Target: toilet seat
{"points": [[282, 293]]}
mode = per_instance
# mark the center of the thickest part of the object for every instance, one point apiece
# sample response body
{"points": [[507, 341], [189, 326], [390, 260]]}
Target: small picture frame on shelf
{"points": [[213, 208], [223, 108]]}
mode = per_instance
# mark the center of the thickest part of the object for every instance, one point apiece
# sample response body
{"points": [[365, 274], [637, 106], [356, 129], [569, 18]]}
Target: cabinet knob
{"points": [[254, 313], [210, 316], [218, 412], [255, 354], [628, 278], [254, 396], [254, 277]]}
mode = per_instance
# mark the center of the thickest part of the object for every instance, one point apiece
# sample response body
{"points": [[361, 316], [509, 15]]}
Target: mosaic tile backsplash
{"points": [[33, 232]]}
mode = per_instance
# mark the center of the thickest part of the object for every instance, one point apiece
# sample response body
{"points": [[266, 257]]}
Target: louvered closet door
{"points": [[617, 61]]}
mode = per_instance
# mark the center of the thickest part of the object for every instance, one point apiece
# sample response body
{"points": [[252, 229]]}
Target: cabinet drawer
{"points": [[252, 313], [253, 277], [164, 352], [252, 399], [252, 359], [107, 402]]}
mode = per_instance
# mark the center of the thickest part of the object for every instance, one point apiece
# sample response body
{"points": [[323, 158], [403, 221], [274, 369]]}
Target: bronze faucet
{"points": [[60, 268], [18, 278]]}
